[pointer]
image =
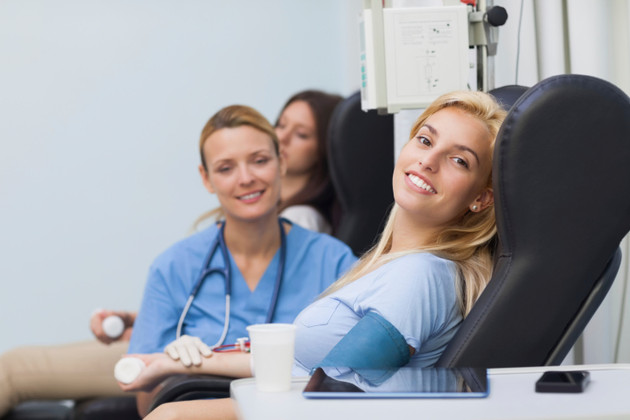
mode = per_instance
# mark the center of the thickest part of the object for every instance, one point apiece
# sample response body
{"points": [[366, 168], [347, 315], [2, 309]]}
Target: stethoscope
{"points": [[226, 272]]}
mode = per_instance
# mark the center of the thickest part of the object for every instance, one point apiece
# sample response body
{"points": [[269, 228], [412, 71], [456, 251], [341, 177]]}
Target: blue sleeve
{"points": [[156, 321], [372, 348], [372, 343]]}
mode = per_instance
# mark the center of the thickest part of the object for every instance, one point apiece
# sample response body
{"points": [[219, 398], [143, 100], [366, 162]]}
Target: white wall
{"points": [[101, 105]]}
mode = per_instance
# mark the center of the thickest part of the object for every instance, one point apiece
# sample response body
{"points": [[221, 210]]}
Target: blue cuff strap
{"points": [[372, 343]]}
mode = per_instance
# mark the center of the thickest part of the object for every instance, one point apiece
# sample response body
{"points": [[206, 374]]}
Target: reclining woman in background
{"points": [[420, 280], [308, 196], [241, 163]]}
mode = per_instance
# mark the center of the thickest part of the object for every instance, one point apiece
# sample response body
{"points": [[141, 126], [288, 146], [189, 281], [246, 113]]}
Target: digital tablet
{"points": [[404, 382]]}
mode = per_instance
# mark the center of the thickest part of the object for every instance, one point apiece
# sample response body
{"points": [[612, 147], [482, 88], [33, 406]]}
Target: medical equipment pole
{"points": [[483, 63], [483, 31]]}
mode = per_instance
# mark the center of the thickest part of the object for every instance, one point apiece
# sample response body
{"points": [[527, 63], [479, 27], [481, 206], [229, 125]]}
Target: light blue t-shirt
{"points": [[416, 293], [313, 262]]}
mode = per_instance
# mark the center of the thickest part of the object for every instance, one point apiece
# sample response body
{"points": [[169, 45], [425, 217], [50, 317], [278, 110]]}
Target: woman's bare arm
{"points": [[159, 367], [221, 408]]}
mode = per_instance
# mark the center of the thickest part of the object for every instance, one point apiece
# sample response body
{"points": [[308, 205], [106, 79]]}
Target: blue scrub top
{"points": [[313, 262]]}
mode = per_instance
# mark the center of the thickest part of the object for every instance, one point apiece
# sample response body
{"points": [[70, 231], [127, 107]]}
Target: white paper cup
{"points": [[272, 348]]}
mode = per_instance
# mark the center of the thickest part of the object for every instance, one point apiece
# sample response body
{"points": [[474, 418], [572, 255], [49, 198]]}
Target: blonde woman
{"points": [[407, 296]]}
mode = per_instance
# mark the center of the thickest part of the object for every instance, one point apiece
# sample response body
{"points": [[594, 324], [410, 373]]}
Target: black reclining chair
{"points": [[562, 200], [508, 95], [361, 161]]}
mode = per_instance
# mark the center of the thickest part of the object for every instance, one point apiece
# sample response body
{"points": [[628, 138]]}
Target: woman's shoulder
{"points": [[420, 264], [308, 217], [414, 276], [422, 258]]}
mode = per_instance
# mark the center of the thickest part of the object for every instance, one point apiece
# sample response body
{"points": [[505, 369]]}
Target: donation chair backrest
{"points": [[562, 199], [508, 95], [361, 162]]}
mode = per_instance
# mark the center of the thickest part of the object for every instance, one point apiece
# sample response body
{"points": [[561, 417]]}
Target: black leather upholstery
{"points": [[361, 161], [562, 198], [119, 408], [191, 387], [40, 410], [508, 95]]}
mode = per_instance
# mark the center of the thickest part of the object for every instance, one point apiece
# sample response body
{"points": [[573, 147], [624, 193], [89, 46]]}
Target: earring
{"points": [[474, 208]]}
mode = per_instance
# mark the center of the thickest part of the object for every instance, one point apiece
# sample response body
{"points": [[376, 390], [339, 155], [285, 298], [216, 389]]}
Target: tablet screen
{"points": [[404, 382]]}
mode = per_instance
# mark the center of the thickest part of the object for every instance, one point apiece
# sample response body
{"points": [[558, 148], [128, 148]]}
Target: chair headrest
{"points": [[508, 95], [361, 162], [562, 169]]}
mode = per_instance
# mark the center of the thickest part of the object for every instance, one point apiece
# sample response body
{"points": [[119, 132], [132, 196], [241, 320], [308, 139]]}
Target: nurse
{"points": [[241, 165], [405, 298]]}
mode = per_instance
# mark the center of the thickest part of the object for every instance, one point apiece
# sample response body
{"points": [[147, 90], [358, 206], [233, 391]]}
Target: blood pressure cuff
{"points": [[374, 343]]}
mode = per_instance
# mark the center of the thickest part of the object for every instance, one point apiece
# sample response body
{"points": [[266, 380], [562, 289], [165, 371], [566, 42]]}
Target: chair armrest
{"points": [[190, 387]]}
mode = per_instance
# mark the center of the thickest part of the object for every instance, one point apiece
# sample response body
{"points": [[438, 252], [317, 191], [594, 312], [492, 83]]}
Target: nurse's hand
{"points": [[188, 350], [158, 367]]}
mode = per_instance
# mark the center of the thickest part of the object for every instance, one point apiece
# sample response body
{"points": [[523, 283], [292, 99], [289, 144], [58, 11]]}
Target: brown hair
{"points": [[236, 116]]}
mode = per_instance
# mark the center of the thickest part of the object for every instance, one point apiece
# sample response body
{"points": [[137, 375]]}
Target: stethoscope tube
{"points": [[279, 274], [226, 271]]}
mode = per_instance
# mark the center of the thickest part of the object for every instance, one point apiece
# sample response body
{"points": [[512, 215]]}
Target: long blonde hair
{"points": [[233, 116], [469, 241]]}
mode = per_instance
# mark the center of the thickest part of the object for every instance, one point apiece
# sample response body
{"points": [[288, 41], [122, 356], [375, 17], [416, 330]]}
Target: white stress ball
{"points": [[113, 326], [128, 369]]}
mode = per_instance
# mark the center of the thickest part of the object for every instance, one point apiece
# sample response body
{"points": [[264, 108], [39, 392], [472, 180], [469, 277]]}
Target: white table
{"points": [[512, 396]]}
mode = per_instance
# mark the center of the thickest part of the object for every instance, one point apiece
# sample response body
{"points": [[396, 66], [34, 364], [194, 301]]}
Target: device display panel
{"points": [[404, 382]]}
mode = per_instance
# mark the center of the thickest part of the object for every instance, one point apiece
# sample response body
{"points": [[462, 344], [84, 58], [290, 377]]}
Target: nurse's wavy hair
{"points": [[470, 240], [318, 191], [233, 116]]}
